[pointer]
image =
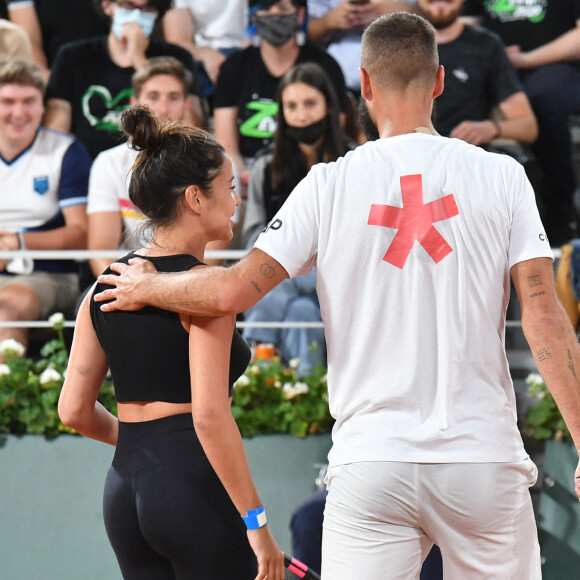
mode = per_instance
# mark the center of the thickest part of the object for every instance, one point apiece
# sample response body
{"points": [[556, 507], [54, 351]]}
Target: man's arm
{"points": [[211, 291], [105, 233], [26, 17], [179, 28], [226, 133], [519, 123], [58, 115], [565, 48], [551, 339]]}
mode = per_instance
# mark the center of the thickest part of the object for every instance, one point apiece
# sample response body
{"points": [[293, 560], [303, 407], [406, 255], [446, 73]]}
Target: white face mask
{"points": [[145, 20]]}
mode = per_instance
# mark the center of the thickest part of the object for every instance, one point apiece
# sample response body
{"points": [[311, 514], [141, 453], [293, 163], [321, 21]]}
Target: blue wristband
{"points": [[255, 519]]}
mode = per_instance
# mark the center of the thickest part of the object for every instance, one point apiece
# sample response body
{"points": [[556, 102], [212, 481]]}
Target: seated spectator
{"points": [[338, 25], [478, 78], [162, 84], [44, 176], [52, 23], [210, 30], [244, 103], [308, 131], [14, 41], [90, 82], [543, 43]]}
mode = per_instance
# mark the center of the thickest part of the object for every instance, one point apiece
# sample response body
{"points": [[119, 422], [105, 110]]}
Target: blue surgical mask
{"points": [[145, 20]]}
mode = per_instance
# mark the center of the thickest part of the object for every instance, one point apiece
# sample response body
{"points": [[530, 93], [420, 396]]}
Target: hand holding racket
{"points": [[296, 569]]}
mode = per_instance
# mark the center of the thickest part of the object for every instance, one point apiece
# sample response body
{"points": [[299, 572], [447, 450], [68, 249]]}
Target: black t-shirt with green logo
{"points": [[98, 90], [527, 23], [245, 82]]}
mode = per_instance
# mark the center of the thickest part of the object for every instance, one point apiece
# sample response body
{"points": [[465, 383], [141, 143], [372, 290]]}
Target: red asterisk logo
{"points": [[414, 221]]}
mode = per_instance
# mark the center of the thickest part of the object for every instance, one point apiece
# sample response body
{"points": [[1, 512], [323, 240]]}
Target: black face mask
{"points": [[277, 29], [309, 134]]}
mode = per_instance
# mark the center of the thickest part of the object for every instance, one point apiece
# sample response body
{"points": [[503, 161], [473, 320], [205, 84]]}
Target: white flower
{"points": [[243, 381], [11, 348], [278, 384], [290, 391], [49, 375], [301, 388], [324, 378], [534, 379], [293, 363], [4, 370], [57, 320]]}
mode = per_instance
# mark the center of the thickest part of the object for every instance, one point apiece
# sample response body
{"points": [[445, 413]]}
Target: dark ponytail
{"points": [[172, 157]]}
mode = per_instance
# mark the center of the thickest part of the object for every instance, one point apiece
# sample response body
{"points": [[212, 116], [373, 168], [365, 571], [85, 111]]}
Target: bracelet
{"points": [[497, 128], [255, 519], [22, 245]]}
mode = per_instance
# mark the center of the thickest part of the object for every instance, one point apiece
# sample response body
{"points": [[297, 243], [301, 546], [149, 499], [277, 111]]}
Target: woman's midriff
{"points": [[137, 411]]}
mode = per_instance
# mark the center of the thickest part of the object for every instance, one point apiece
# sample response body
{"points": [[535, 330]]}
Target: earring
{"points": [[300, 37]]}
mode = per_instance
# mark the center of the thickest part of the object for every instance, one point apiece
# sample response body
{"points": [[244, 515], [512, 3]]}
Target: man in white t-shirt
{"points": [[414, 237], [162, 84]]}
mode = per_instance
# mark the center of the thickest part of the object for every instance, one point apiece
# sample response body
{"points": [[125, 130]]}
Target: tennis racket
{"points": [[296, 569]]}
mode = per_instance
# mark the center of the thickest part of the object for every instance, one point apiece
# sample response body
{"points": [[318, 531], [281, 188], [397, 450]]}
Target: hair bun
{"points": [[141, 127]]}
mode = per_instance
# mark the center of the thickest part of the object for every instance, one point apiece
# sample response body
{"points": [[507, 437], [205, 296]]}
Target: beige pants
{"points": [[56, 292], [382, 518]]}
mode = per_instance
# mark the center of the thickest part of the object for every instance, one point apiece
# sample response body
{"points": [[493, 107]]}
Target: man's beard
{"points": [[366, 123]]}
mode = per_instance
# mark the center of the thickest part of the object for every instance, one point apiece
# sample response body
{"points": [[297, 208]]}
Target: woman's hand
{"points": [[270, 557]]}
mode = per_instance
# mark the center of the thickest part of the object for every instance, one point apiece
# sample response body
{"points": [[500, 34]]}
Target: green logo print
{"points": [[511, 10], [111, 121], [262, 124]]}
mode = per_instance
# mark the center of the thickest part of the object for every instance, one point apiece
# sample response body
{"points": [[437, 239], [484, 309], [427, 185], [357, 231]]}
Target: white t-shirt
{"points": [[417, 369], [217, 24], [109, 191], [46, 178]]}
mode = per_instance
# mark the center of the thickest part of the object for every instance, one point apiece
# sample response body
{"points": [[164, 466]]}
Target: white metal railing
{"points": [[81, 255]]}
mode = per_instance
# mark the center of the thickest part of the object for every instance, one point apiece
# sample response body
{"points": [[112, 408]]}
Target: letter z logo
{"points": [[262, 124]]}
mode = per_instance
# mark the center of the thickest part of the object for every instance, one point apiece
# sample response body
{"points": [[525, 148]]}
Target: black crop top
{"points": [[148, 349]]}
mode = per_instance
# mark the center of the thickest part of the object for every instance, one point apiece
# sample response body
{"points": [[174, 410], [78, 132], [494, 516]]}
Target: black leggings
{"points": [[166, 512]]}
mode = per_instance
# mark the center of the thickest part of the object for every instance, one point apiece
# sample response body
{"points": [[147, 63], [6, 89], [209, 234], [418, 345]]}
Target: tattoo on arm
{"points": [[535, 280], [255, 285], [536, 294], [571, 364], [267, 271], [544, 354]]}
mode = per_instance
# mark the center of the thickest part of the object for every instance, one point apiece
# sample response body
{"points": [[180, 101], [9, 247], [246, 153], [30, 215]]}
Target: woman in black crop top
{"points": [[179, 479]]}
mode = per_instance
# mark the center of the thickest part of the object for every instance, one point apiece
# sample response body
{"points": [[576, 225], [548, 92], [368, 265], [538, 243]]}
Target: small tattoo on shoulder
{"points": [[267, 271], [544, 354], [534, 280]]}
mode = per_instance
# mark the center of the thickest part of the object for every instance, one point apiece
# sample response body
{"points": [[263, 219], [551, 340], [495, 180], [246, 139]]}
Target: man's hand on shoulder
{"points": [[129, 286]]}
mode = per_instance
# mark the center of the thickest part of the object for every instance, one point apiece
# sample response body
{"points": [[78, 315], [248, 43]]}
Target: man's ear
{"points": [[365, 85], [194, 199], [301, 16], [133, 101], [439, 82]]}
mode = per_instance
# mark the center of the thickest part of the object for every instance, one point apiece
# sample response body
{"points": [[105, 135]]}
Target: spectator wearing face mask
{"points": [[90, 83], [245, 105]]}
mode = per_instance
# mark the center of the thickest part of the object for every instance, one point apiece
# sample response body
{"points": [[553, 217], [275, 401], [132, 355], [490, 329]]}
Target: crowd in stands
{"points": [[275, 81], [219, 66]]}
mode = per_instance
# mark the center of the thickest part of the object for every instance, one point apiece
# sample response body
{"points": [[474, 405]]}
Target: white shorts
{"points": [[381, 519]]}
